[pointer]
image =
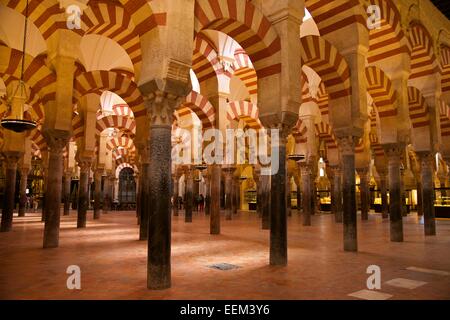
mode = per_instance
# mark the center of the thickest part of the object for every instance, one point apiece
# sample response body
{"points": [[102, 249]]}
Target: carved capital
{"points": [[426, 159], [85, 165], [347, 144], [394, 152], [11, 159], [160, 107], [56, 140]]}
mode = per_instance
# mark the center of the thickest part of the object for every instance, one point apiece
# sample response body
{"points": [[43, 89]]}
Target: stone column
{"points": [[215, 199], [265, 201], [346, 145], [228, 192], [236, 191], [336, 193], [175, 193], [288, 196], [207, 178], [393, 154], [56, 141], [403, 192], [85, 167], [306, 192], [23, 190], [384, 198], [11, 159], [426, 173], [67, 179], [160, 106], [257, 178], [97, 193], [278, 216], [189, 193], [364, 192], [145, 199]]}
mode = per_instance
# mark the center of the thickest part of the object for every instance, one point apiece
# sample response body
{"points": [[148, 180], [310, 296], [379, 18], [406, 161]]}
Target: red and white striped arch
{"points": [[201, 107], [331, 16], [325, 133], [445, 66], [326, 61], [109, 19], [243, 22], [123, 141], [389, 40], [418, 110], [38, 139], [77, 126], [379, 86], [246, 111], [244, 70], [205, 62], [124, 165], [423, 59], [36, 74], [444, 119], [122, 123], [299, 132], [99, 81]]}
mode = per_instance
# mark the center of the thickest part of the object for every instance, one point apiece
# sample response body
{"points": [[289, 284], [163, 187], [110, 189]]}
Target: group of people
{"points": [[199, 202]]}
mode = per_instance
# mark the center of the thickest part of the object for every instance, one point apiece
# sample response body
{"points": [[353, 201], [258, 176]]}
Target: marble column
{"points": [[257, 179], [67, 179], [56, 143], [23, 190], [189, 193], [160, 107], [265, 201], [175, 194], [278, 216], [336, 193], [11, 159], [426, 175], [83, 201], [207, 178], [307, 202], [384, 197], [97, 193], [393, 154], [236, 191], [145, 199], [364, 192], [215, 199], [228, 172], [346, 145], [288, 196], [403, 193]]}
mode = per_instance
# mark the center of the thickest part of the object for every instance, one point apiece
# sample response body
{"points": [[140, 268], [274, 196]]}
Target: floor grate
{"points": [[223, 266]]}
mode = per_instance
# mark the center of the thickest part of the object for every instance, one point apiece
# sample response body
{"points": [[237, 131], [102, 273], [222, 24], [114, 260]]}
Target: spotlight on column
{"points": [[296, 157]]}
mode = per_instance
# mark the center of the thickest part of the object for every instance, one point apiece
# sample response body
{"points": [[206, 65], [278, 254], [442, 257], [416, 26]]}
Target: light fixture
{"points": [[201, 167], [296, 157], [16, 103]]}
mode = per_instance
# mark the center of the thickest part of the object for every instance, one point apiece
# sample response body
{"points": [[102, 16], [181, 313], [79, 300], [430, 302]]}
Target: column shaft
{"points": [[364, 193], [189, 194], [10, 188], [426, 172], [97, 193], [159, 222], [215, 199], [395, 201], [83, 194], [23, 191], [306, 194], [278, 216], [265, 201]]}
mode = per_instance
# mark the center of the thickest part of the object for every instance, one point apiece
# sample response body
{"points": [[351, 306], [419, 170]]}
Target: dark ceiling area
{"points": [[443, 6]]}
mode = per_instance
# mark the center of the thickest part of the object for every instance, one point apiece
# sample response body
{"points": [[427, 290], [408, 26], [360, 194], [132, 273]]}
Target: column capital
{"points": [[56, 140], [160, 107], [11, 158], [347, 144], [394, 150], [426, 158], [85, 165]]}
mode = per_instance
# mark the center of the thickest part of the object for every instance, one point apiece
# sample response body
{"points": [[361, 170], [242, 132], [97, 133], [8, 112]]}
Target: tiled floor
{"points": [[113, 261]]}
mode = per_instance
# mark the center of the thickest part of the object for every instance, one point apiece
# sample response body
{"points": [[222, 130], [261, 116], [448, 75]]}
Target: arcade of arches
{"points": [[367, 106]]}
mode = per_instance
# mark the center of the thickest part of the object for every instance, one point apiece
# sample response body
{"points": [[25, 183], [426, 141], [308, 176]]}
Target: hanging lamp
{"points": [[16, 103]]}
